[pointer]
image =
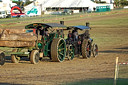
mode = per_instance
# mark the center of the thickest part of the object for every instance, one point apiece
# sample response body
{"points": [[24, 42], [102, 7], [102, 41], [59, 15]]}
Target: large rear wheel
{"points": [[58, 50], [34, 57], [86, 48], [2, 59]]}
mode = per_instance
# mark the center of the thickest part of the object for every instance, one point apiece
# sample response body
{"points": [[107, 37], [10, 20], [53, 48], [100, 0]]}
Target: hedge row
{"points": [[100, 1], [124, 3]]}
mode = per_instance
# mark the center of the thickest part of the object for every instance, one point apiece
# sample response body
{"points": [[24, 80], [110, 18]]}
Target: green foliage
{"points": [[120, 3], [100, 1], [116, 2], [124, 3], [28, 2], [17, 2], [20, 3]]}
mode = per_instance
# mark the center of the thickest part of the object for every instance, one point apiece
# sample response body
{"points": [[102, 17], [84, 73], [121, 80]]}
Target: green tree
{"points": [[120, 3], [123, 3], [116, 2]]}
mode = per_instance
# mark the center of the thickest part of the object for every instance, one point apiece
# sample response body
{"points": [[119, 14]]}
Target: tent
{"points": [[43, 4], [65, 3]]}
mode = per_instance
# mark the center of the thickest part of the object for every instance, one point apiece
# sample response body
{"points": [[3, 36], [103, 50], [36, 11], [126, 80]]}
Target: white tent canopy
{"points": [[51, 3], [66, 3]]}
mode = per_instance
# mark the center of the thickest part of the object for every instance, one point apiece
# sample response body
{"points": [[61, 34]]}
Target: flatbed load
{"points": [[22, 43], [17, 39], [13, 31]]}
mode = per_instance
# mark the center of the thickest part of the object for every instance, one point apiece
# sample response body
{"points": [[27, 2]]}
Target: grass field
{"points": [[109, 31], [120, 81]]}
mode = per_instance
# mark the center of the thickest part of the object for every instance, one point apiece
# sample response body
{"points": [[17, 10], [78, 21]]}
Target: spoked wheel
{"points": [[86, 49], [95, 50], [34, 57], [58, 49], [15, 58], [70, 52], [2, 59]]}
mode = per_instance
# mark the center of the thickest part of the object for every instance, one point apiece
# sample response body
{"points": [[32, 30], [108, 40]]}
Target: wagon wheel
{"points": [[58, 49], [95, 50], [15, 58], [34, 57], [70, 52], [86, 49], [2, 59]]}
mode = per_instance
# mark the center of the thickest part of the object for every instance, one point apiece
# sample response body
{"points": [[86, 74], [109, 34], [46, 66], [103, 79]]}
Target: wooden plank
{"points": [[17, 43], [18, 37]]}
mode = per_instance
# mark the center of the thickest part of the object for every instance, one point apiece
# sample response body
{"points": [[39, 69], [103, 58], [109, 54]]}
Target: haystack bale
{"points": [[17, 44]]}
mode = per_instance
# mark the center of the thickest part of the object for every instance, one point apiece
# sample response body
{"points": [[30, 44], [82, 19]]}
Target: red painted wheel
{"points": [[86, 48], [95, 50]]}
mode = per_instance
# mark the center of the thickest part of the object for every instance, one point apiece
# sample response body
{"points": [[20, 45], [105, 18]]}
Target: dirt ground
{"points": [[52, 73]]}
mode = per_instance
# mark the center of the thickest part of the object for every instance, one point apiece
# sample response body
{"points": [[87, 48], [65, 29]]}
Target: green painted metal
{"points": [[46, 41], [33, 11], [102, 8], [16, 53], [71, 52], [8, 50], [40, 45], [46, 44], [46, 49], [51, 36], [61, 50]]}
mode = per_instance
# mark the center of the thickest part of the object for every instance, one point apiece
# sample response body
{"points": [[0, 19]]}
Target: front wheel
{"points": [[70, 52], [34, 57], [95, 50], [86, 48], [2, 59]]}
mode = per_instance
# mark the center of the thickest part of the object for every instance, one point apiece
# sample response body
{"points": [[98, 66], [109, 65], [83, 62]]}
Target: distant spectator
{"points": [[75, 35], [69, 37], [46, 33], [94, 8], [86, 34], [79, 44]]}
